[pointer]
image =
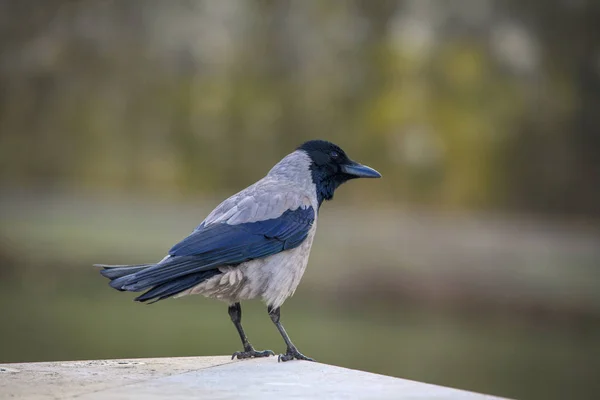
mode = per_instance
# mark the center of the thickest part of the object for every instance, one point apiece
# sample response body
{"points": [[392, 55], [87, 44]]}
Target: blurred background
{"points": [[476, 261]]}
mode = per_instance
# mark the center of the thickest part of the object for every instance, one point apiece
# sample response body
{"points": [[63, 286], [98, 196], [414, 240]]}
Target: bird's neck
{"points": [[325, 189]]}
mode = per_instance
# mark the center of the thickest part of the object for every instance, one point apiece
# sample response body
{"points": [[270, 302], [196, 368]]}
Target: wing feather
{"points": [[216, 244]]}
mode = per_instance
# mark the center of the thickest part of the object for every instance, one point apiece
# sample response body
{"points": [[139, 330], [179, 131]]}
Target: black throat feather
{"points": [[326, 182]]}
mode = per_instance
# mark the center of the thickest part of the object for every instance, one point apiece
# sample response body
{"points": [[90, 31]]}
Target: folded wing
{"points": [[222, 243]]}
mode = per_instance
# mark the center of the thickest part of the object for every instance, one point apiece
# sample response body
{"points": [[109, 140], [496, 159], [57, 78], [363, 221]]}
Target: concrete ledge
{"points": [[208, 378]]}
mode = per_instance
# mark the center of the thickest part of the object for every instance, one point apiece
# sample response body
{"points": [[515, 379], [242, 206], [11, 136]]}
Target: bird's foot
{"points": [[241, 355], [293, 354]]}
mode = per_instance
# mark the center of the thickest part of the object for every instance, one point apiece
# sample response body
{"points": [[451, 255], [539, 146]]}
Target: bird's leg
{"points": [[292, 352], [235, 312]]}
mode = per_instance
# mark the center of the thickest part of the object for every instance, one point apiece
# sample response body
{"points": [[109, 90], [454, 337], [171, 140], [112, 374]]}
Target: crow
{"points": [[255, 244]]}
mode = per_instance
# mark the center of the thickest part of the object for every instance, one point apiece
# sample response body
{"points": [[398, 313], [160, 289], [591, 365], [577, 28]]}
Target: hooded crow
{"points": [[253, 245]]}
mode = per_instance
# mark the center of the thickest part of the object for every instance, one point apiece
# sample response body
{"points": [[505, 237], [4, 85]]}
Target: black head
{"points": [[330, 167]]}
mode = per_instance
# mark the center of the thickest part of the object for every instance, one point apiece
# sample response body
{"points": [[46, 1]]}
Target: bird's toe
{"points": [[241, 355], [293, 354]]}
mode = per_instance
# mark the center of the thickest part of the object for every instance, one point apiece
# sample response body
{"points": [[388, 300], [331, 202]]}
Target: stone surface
{"points": [[207, 378]]}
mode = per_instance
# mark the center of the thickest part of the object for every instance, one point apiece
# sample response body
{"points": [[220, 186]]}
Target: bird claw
{"points": [[242, 355], [293, 354]]}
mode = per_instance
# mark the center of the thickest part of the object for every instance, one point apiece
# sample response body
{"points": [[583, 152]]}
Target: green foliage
{"points": [[449, 124]]}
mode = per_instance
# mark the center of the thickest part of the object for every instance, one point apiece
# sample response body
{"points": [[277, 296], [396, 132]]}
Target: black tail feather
{"points": [[176, 286], [123, 278], [117, 271]]}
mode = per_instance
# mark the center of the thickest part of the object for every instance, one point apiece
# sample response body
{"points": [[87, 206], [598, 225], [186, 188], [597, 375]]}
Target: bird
{"points": [[254, 245]]}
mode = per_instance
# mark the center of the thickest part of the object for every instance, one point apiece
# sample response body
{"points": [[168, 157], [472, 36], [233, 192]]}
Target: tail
{"points": [[113, 272], [123, 278]]}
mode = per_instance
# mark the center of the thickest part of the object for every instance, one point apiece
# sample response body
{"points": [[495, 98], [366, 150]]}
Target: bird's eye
{"points": [[334, 155]]}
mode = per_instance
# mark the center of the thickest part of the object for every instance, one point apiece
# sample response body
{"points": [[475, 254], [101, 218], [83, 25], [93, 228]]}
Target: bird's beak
{"points": [[359, 170]]}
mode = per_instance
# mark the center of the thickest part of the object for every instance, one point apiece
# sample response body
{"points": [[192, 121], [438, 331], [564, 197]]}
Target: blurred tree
{"points": [[486, 104], [554, 161]]}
